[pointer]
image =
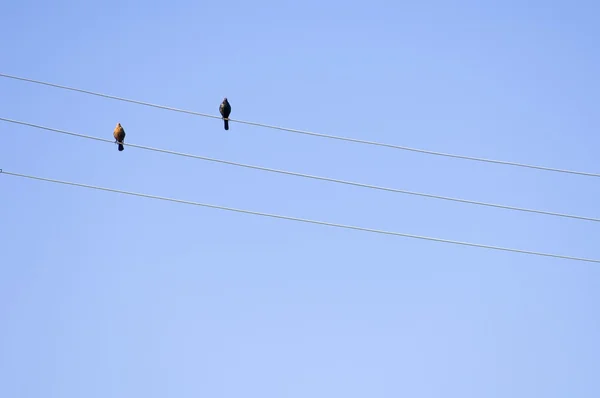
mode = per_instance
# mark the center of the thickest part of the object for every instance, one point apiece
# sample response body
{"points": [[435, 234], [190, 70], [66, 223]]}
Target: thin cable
{"points": [[304, 220], [333, 137], [357, 184]]}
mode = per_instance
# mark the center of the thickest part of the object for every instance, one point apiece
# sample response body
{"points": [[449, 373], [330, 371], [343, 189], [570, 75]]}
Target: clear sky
{"points": [[106, 295]]}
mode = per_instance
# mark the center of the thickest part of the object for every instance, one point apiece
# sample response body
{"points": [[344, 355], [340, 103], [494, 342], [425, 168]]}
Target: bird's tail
{"points": [[121, 147], [226, 124]]}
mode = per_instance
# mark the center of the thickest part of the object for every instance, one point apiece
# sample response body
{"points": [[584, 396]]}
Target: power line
{"points": [[337, 181], [333, 137], [304, 220]]}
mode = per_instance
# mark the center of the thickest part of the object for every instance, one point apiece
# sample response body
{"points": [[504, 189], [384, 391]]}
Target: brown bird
{"points": [[119, 135], [225, 110]]}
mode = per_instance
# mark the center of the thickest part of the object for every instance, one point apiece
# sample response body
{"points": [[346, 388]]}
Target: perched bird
{"points": [[225, 110], [119, 135]]}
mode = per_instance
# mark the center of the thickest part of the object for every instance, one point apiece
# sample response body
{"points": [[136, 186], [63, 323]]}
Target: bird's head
{"points": [[225, 99]]}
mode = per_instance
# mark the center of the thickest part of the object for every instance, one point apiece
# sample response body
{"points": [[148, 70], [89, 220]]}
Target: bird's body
{"points": [[119, 134], [225, 109]]}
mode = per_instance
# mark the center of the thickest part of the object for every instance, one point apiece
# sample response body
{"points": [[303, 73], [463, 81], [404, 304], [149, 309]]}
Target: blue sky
{"points": [[110, 295]]}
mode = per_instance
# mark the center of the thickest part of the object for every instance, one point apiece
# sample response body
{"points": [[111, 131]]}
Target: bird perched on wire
{"points": [[119, 134], [225, 110]]}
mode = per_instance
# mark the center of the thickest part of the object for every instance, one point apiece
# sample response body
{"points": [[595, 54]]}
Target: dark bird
{"points": [[119, 135], [225, 110]]}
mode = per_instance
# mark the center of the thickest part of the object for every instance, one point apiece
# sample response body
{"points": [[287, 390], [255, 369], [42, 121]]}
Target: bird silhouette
{"points": [[119, 135], [225, 110]]}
